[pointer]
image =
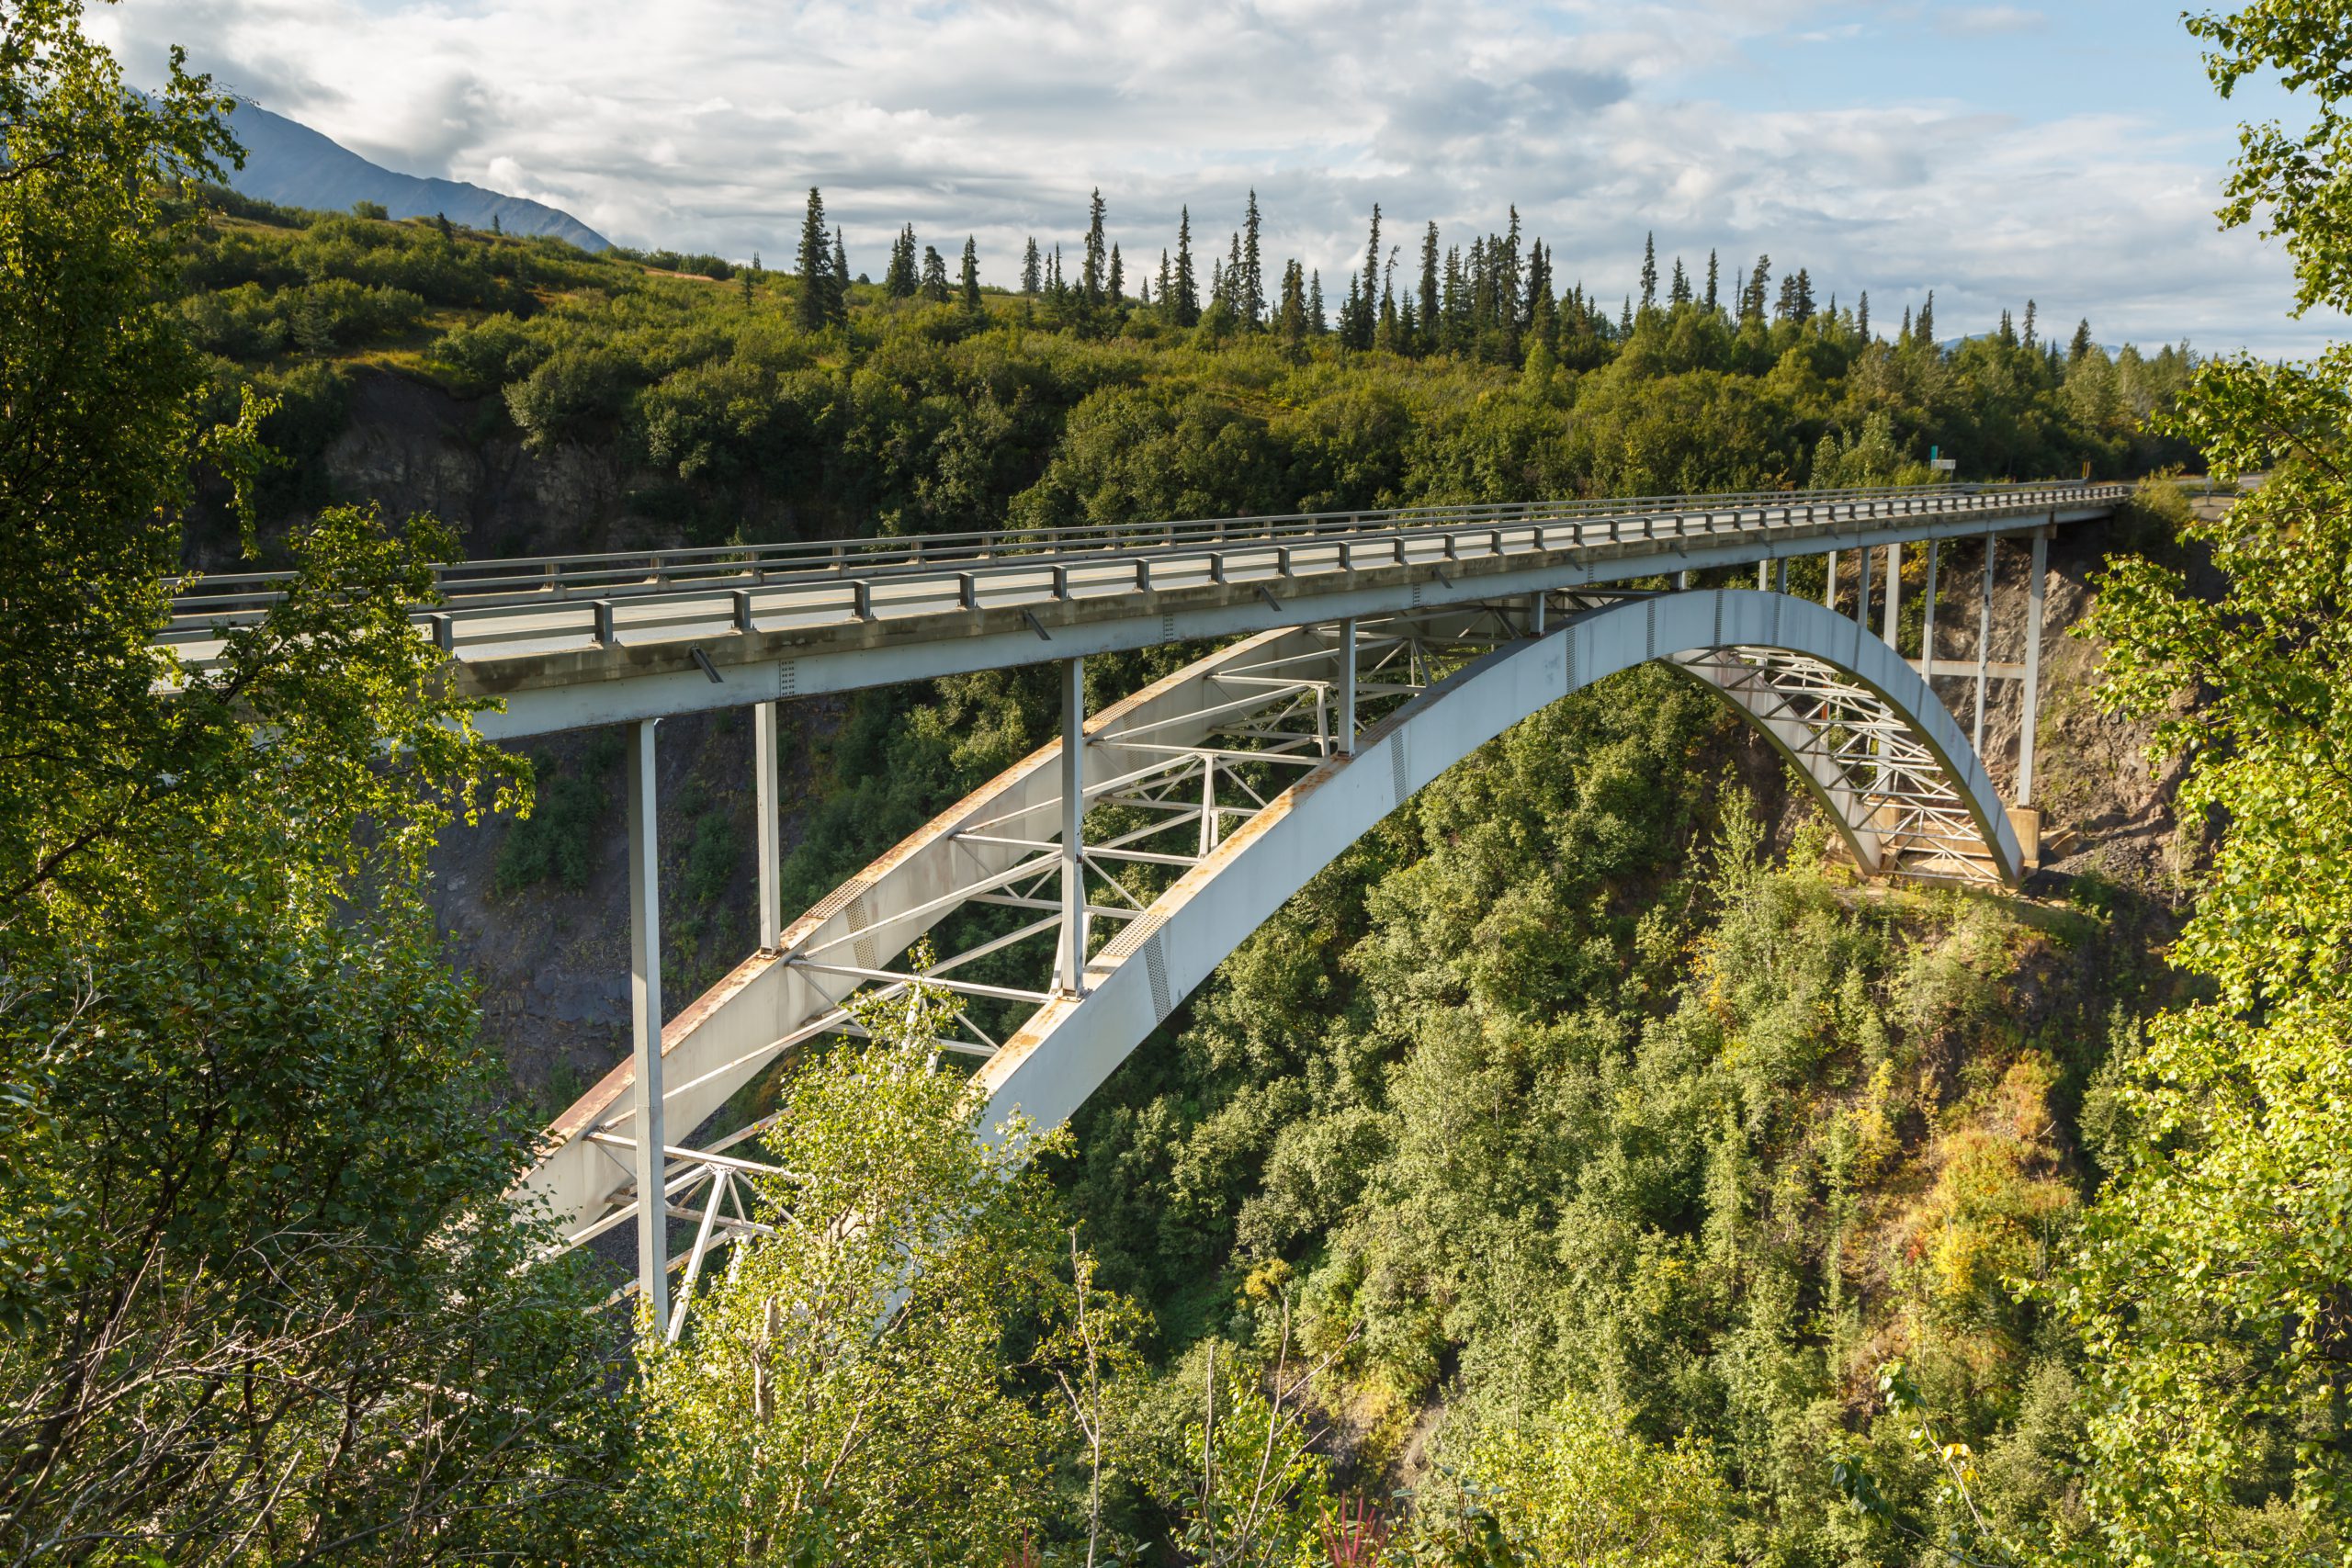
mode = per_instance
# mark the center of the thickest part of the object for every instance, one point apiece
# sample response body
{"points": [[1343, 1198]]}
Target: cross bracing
{"points": [[1071, 903]]}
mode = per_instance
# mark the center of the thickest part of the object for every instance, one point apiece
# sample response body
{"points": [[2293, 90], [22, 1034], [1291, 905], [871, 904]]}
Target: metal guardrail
{"points": [[736, 587]]}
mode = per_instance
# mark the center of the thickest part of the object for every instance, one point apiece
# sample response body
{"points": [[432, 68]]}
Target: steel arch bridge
{"points": [[1078, 897], [1236, 780]]}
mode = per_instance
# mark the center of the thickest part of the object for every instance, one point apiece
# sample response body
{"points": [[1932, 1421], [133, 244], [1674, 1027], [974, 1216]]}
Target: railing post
{"points": [[1347, 685], [2034, 611], [1072, 978], [645, 1025], [763, 718]]}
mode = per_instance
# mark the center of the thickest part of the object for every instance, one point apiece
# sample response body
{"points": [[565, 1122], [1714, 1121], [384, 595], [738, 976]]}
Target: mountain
{"points": [[293, 165]]}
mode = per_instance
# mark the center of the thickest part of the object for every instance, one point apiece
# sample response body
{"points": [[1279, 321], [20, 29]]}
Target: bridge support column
{"points": [[764, 716], [1893, 624], [1983, 643], [1762, 567], [645, 1025], [1829, 591], [1536, 614], [1863, 589], [1348, 686], [2034, 611], [1928, 623], [1781, 575], [1072, 964]]}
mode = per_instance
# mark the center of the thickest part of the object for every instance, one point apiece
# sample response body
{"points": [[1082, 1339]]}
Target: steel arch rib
{"points": [[1070, 1045], [1047, 1069]]}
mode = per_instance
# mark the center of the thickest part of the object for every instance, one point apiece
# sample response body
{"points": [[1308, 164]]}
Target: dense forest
{"points": [[1588, 1166], [809, 403]]}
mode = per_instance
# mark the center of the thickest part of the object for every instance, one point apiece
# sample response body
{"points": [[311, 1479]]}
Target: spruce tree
{"points": [[1625, 320], [1649, 271], [837, 292], [1862, 317], [1366, 302], [1188, 287], [2028, 330], [1163, 275], [2080, 349], [898, 280], [1290, 320], [971, 279], [1032, 269], [1751, 306], [1714, 299], [1927, 321], [934, 275], [1429, 290], [2008, 332], [1316, 321], [812, 309], [1504, 258], [1118, 286], [1093, 268], [1253, 278], [1801, 298], [1907, 327], [1679, 292]]}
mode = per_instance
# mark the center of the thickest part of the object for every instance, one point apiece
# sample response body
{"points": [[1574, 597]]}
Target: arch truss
{"points": [[1067, 923]]}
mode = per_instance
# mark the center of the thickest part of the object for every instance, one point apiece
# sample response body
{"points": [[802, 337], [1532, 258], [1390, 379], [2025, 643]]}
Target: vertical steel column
{"points": [[2034, 611], [1072, 978], [1762, 566], [645, 1025], [763, 715], [1781, 575], [1348, 686], [1928, 622], [1863, 589], [1983, 643], [1829, 590], [1682, 580], [1208, 803], [1893, 623], [1536, 614]]}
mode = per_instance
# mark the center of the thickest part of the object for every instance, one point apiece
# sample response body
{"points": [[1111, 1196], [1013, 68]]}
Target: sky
{"points": [[2067, 152]]}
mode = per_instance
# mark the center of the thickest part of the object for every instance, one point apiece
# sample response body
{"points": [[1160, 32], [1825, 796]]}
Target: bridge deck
{"points": [[574, 641]]}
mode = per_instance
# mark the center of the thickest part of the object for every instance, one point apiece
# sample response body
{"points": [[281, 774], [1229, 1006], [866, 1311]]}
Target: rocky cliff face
{"points": [[412, 447]]}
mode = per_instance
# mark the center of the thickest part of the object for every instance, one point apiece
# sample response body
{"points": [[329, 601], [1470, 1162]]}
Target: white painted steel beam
{"points": [[1858, 723], [1069, 1047]]}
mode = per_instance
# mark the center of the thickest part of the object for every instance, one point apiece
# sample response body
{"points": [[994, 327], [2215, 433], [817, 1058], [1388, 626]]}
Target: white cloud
{"points": [[701, 123], [1990, 21]]}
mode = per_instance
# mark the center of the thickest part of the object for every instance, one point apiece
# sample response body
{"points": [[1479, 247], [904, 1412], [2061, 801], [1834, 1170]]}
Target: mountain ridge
{"points": [[291, 165]]}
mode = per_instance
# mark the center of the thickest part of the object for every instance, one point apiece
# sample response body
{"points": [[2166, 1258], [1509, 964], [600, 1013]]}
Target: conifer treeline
{"points": [[1496, 302]]}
